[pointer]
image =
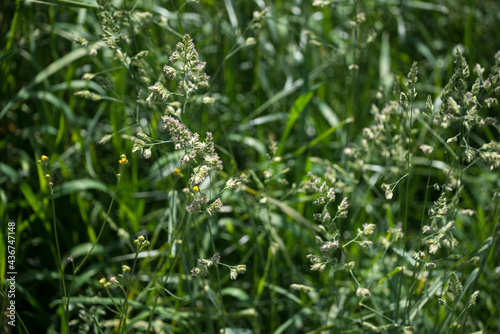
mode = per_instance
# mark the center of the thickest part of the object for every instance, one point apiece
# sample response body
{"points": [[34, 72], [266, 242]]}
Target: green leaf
{"points": [[295, 323], [84, 249], [322, 136], [77, 186], [10, 172], [296, 216], [43, 75], [395, 271], [237, 293], [427, 6], [327, 113], [59, 64], [250, 142], [66, 3], [32, 200], [57, 102], [263, 120], [297, 108], [428, 296], [234, 330], [9, 54], [286, 293]]}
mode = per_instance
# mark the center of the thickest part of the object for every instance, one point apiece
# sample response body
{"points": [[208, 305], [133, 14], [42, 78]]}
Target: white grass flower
{"points": [[363, 292], [233, 273], [473, 298], [330, 245], [343, 208], [433, 248], [160, 91], [365, 243], [214, 207], [250, 41], [199, 174], [467, 212], [330, 195], [426, 149], [232, 183], [301, 287], [427, 229], [170, 71], [368, 229], [208, 100], [318, 266]]}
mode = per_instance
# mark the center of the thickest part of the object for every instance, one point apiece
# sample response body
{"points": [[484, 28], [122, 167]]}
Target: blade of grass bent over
{"points": [[297, 108]]}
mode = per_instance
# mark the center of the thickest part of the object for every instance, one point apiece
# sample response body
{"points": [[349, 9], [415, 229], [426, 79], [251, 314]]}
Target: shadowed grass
{"points": [[297, 89]]}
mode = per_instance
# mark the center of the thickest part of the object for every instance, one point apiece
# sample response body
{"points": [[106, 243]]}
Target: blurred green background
{"points": [[351, 54]]}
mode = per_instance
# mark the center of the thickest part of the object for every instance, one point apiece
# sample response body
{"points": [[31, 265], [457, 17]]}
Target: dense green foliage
{"points": [[361, 137]]}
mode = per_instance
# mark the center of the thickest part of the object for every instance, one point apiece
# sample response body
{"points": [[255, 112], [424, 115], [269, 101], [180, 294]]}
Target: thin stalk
{"points": [[96, 323], [219, 286], [61, 273], [409, 301], [407, 200], [452, 310], [113, 301], [105, 219], [44, 163], [127, 289], [494, 237], [177, 255]]}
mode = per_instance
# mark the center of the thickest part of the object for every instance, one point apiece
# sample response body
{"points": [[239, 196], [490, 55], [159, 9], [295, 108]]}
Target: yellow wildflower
{"points": [[123, 159]]}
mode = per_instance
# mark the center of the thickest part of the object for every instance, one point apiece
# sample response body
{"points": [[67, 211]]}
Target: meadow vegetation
{"points": [[251, 166]]}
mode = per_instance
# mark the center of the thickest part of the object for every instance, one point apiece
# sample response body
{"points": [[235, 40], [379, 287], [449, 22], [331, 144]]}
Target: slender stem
{"points": [[167, 274], [113, 300], [61, 272], [104, 223], [345, 245], [127, 288], [377, 313], [407, 200], [218, 274], [409, 301]]}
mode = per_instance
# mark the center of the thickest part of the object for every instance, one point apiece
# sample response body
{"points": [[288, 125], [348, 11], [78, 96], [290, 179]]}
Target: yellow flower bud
{"points": [[102, 281], [123, 159], [44, 158], [196, 189]]}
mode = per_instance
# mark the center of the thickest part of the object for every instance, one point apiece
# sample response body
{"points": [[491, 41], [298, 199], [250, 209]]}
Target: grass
{"points": [[360, 138]]}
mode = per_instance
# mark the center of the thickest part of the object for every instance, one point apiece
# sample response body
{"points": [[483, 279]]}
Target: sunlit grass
{"points": [[329, 197]]}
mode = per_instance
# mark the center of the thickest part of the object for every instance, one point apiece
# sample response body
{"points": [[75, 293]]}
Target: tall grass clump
{"points": [[251, 167]]}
